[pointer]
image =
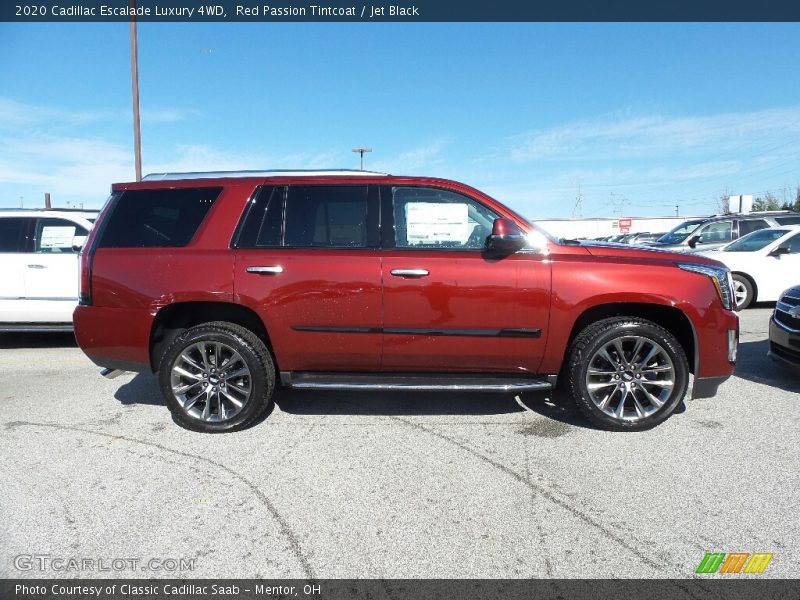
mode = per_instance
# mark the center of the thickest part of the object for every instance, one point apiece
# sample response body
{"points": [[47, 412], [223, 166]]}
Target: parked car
{"points": [[226, 283], [39, 267], [759, 263], [784, 329], [709, 233], [643, 238]]}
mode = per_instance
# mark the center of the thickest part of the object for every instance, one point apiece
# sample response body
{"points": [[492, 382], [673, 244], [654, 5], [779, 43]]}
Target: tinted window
{"points": [[750, 226], [432, 218], [13, 234], [755, 241], [57, 235], [157, 218], [262, 226], [326, 216], [793, 243], [789, 220]]}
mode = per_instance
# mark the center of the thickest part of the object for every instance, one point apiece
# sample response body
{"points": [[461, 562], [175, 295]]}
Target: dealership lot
{"points": [[390, 485]]}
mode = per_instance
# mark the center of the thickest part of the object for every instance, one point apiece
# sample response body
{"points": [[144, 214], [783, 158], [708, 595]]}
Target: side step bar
{"points": [[417, 382]]}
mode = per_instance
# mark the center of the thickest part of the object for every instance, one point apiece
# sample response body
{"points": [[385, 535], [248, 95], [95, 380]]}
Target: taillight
{"points": [[85, 293]]}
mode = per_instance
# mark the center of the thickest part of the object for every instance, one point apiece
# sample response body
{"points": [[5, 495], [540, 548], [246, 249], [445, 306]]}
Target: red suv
{"points": [[222, 282]]}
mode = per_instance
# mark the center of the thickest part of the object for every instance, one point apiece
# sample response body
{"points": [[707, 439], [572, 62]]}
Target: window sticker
{"points": [[57, 237], [431, 223]]}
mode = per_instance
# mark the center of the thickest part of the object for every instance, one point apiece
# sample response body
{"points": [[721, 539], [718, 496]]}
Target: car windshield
{"points": [[756, 240], [679, 233]]}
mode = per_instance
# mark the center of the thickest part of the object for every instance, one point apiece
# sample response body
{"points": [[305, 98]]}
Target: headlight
{"points": [[721, 277]]}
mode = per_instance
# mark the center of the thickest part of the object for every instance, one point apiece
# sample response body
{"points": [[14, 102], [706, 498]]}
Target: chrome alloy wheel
{"points": [[210, 381], [630, 378], [739, 293]]}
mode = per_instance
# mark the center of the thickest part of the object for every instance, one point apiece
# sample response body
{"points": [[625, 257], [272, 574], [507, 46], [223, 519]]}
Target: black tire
{"points": [[632, 387], [743, 284], [248, 379]]}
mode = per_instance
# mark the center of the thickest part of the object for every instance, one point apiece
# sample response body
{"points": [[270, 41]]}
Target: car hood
{"points": [[646, 253]]}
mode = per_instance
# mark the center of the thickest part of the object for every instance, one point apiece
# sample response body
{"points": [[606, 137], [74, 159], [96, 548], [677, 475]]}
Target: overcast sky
{"points": [[640, 118]]}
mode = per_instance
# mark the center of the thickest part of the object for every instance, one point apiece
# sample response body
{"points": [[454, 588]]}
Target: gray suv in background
{"points": [[709, 233]]}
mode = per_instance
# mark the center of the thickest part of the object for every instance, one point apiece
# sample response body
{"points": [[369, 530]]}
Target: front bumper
{"points": [[784, 345]]}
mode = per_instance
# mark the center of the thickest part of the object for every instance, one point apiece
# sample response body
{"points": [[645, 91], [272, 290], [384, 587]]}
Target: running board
{"points": [[417, 382]]}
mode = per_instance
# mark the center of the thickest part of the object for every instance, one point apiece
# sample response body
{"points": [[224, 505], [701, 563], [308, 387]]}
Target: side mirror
{"points": [[506, 237], [77, 243], [694, 240], [780, 250]]}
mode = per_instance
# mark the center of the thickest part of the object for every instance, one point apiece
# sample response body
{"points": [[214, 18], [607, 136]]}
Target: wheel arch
{"points": [[173, 319], [670, 318]]}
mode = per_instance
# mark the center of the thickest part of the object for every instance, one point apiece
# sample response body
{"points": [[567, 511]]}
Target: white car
{"points": [[762, 263], [39, 267]]}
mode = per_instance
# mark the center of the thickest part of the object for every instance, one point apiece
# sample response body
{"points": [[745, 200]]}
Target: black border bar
{"points": [[735, 587], [407, 12]]}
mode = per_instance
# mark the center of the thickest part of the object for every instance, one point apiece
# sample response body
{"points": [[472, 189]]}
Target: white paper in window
{"points": [[57, 237], [431, 223]]}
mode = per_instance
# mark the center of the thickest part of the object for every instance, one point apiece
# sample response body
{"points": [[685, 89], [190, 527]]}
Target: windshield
{"points": [[756, 240], [679, 233]]}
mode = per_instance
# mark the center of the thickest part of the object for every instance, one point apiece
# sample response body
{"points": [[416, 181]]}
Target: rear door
{"points": [[307, 262], [447, 305], [16, 244], [51, 273]]}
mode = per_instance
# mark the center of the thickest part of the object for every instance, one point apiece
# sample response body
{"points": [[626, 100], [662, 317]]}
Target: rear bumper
{"points": [[114, 338], [784, 345]]}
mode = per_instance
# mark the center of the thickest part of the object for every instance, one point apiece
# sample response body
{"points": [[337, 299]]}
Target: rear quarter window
{"points": [[157, 218]]}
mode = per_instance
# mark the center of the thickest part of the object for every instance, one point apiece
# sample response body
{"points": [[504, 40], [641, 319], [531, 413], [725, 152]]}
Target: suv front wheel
{"points": [[627, 374], [217, 377]]}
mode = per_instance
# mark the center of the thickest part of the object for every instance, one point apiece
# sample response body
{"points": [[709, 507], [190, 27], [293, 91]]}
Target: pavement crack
{"points": [[286, 530]]}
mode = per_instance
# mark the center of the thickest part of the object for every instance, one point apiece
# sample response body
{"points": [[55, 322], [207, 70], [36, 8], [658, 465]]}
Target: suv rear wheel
{"points": [[627, 374], [217, 377]]}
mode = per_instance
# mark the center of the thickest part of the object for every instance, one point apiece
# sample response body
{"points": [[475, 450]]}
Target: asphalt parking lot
{"points": [[391, 485]]}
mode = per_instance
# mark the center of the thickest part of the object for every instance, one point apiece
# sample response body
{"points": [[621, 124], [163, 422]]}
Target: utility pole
{"points": [[137, 134], [676, 210], [577, 211], [361, 151]]}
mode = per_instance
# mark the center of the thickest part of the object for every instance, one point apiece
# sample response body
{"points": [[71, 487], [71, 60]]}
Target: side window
{"points": [[714, 233], [790, 220], [15, 234], [262, 226], [57, 235], [794, 244], [749, 226], [165, 218], [330, 216], [434, 218]]}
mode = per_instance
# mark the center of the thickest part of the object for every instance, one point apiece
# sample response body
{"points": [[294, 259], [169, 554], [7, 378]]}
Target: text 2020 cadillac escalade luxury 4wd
{"points": [[358, 280]]}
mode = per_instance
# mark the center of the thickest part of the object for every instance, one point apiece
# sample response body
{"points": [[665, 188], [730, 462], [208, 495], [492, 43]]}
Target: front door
{"points": [[448, 306], [51, 272]]}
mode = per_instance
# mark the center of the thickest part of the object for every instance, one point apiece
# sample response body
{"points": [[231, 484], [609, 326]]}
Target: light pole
{"points": [[137, 134], [361, 151]]}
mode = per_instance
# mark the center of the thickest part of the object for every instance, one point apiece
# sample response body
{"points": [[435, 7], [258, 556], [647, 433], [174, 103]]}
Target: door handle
{"points": [[265, 270], [37, 266], [410, 272]]}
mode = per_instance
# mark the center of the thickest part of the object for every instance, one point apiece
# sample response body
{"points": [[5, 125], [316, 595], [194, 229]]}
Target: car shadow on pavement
{"points": [[64, 339], [386, 403], [141, 389], [753, 364]]}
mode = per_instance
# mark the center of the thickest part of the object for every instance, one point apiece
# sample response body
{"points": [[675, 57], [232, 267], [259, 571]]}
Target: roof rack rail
{"points": [[265, 173], [52, 208]]}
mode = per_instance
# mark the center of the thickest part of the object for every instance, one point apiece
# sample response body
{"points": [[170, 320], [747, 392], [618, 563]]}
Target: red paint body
{"points": [[353, 288]]}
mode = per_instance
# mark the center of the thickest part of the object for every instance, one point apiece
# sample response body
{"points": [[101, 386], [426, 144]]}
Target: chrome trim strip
{"points": [[505, 333], [49, 299], [268, 270], [261, 173], [432, 387]]}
